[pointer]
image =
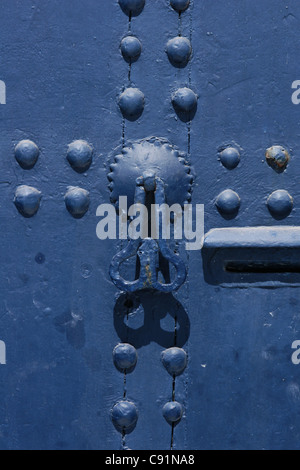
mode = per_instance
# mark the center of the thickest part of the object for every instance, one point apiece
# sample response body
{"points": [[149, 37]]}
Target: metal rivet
{"points": [[124, 356], [124, 416], [174, 360], [278, 158], [179, 51], [180, 5], [228, 204], [80, 155], [172, 412], [132, 7], [230, 157], [27, 200], [131, 48], [280, 204], [184, 102], [77, 202], [132, 102], [26, 154]]}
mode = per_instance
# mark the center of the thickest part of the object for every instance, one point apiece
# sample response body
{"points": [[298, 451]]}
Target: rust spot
{"points": [[277, 158], [149, 275]]}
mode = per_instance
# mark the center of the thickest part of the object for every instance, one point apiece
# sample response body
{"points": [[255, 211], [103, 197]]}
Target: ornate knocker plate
{"points": [[153, 169]]}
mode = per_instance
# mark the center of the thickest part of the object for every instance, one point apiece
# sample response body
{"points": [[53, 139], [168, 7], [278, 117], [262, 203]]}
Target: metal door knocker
{"points": [[150, 172]]}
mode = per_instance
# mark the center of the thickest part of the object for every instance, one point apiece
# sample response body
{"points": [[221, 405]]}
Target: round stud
{"points": [[124, 416], [77, 202], [230, 157], [26, 154], [80, 155], [172, 412], [179, 51], [277, 158], [132, 103], [184, 102], [280, 204], [132, 7], [125, 357], [131, 49], [228, 204], [27, 200], [174, 360], [180, 5]]}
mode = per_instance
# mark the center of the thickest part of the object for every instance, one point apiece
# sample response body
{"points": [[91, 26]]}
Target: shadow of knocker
{"points": [[154, 306]]}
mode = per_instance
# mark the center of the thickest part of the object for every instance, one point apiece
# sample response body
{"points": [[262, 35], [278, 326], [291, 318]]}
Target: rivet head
{"points": [[131, 48], [180, 5], [125, 357], [26, 154], [179, 51], [280, 204], [230, 157], [172, 412], [27, 200], [228, 204], [174, 360], [124, 416], [132, 102], [80, 155], [184, 102], [278, 158], [77, 202], [132, 7]]}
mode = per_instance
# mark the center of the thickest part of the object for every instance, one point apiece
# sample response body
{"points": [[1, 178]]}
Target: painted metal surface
{"points": [[89, 367]]}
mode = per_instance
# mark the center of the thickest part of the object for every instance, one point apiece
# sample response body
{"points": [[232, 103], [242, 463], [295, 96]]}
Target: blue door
{"points": [[199, 99]]}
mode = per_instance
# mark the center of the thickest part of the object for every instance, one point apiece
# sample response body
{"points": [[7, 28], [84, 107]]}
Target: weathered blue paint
{"points": [[61, 316]]}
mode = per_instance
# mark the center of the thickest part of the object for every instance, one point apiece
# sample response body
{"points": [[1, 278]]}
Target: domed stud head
{"points": [[180, 5], [27, 200], [26, 154], [172, 412], [184, 102], [125, 357], [131, 103], [80, 155], [179, 51], [174, 360], [131, 49], [124, 416], [228, 204], [77, 202], [277, 158], [280, 204], [132, 7], [230, 157]]}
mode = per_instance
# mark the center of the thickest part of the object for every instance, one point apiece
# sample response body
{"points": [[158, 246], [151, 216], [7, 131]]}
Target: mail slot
{"points": [[260, 256]]}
